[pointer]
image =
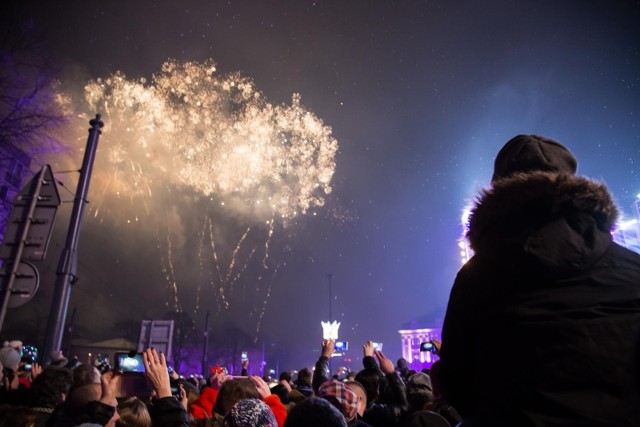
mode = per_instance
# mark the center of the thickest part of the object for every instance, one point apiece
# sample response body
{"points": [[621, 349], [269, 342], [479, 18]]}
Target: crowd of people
{"points": [[542, 329], [68, 393]]}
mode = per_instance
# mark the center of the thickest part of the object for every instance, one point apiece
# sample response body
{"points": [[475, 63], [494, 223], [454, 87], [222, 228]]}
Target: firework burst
{"points": [[190, 137]]}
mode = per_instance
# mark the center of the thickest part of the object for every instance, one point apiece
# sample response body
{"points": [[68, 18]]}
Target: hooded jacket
{"points": [[543, 323]]}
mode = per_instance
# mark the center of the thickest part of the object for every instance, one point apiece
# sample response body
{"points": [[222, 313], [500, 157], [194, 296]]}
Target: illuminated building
{"points": [[412, 334]]}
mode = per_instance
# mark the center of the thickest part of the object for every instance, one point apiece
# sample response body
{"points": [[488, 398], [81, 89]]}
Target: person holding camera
{"points": [[166, 410], [386, 392], [90, 403]]}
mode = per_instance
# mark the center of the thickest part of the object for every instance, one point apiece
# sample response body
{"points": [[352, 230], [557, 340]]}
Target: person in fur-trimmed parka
{"points": [[543, 323]]}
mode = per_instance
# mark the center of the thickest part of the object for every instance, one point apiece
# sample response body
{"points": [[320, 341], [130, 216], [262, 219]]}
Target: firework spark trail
{"points": [[234, 255], [190, 130], [266, 245], [212, 281], [220, 296], [265, 301], [169, 273], [201, 265], [243, 268]]}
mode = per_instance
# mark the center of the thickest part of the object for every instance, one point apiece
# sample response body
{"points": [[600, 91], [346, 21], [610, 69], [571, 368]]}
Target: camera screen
{"points": [[377, 346], [127, 363], [427, 346], [175, 387], [29, 353], [341, 346], [244, 355]]}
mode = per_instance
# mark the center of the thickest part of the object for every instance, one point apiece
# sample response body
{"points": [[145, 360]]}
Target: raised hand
{"points": [[261, 386], [110, 383], [367, 349], [36, 370], [386, 365], [184, 399], [218, 379], [155, 366], [328, 347], [437, 344]]}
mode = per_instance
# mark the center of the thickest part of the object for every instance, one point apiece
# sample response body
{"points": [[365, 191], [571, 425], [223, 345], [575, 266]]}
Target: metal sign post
{"points": [[27, 237]]}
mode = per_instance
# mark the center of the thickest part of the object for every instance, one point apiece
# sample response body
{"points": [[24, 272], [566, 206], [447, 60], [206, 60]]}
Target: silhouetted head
{"points": [[370, 380], [304, 377], [531, 153], [232, 391], [315, 412]]}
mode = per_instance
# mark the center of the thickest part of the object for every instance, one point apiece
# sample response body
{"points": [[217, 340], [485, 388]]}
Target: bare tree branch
{"points": [[30, 104]]}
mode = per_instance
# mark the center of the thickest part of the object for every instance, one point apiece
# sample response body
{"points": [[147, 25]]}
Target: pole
{"points": [[330, 277], [6, 291], [204, 349], [68, 265]]}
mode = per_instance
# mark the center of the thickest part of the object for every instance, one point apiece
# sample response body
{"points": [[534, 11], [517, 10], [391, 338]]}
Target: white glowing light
{"points": [[466, 213], [627, 224], [463, 244], [330, 330]]}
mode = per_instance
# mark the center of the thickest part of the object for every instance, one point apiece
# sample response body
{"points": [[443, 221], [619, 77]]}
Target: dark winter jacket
{"points": [[93, 413], [379, 414], [168, 412], [391, 405], [543, 323]]}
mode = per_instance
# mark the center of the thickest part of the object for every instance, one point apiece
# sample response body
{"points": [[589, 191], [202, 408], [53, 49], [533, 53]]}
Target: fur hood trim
{"points": [[524, 202]]}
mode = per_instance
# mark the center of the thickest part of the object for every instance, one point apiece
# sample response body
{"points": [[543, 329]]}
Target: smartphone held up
{"points": [[133, 381], [341, 346], [129, 362], [428, 346]]}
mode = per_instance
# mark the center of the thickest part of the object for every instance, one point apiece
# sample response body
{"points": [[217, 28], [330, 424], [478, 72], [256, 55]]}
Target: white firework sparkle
{"points": [[193, 135]]}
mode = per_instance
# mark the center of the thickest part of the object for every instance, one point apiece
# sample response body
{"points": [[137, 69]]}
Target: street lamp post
{"points": [[330, 277], [66, 274]]}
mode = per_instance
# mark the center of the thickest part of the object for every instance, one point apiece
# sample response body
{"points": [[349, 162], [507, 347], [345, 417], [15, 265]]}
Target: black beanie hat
{"points": [[528, 153]]}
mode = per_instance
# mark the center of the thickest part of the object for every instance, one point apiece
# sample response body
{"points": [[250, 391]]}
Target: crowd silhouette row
{"points": [[70, 393]]}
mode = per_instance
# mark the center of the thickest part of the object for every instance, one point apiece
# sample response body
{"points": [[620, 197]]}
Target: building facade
{"points": [[411, 340]]}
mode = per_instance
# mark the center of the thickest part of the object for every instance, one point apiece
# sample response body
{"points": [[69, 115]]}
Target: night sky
{"points": [[420, 96]]}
